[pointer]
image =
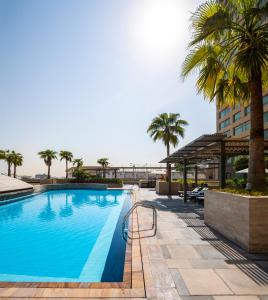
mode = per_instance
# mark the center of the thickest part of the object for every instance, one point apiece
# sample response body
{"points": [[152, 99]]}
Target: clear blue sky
{"points": [[89, 75]]}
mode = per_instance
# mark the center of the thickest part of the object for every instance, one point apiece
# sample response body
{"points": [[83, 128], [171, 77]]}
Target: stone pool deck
{"points": [[185, 260]]}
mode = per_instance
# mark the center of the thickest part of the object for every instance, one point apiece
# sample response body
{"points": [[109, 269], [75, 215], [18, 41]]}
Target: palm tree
{"points": [[104, 163], [8, 157], [2, 155], [229, 51], [68, 156], [167, 127], [78, 162], [48, 155], [17, 160]]}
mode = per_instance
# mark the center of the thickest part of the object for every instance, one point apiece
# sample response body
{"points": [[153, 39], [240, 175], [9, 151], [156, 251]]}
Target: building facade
{"points": [[235, 121]]}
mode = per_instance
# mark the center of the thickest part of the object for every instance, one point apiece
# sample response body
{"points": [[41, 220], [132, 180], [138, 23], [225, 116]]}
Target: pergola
{"points": [[210, 149]]}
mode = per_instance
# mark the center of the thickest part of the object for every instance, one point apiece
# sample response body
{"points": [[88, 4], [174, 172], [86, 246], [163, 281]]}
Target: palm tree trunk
{"points": [[15, 171], [9, 169], [48, 172], [66, 162], [256, 172]]}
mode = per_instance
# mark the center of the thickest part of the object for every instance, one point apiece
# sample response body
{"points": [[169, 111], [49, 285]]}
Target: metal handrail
{"points": [[125, 233]]}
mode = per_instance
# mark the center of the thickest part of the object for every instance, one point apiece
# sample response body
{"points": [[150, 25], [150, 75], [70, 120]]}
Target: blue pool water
{"points": [[64, 236]]}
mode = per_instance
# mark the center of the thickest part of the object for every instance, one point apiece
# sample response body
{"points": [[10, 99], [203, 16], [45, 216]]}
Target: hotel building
{"points": [[235, 121]]}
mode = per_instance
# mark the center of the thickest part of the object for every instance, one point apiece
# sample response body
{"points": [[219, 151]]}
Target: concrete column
{"points": [[185, 180], [195, 175], [222, 166]]}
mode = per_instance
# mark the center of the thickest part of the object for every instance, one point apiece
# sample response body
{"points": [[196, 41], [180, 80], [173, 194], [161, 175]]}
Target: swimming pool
{"points": [[64, 236]]}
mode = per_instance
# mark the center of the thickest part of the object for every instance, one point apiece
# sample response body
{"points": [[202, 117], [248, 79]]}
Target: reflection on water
{"points": [[99, 200], [74, 200], [67, 209], [47, 214], [9, 213]]}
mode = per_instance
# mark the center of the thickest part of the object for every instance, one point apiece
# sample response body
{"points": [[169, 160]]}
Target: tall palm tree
{"points": [[8, 157], [48, 155], [17, 160], [167, 127], [104, 162], [68, 156], [229, 51], [78, 162]]}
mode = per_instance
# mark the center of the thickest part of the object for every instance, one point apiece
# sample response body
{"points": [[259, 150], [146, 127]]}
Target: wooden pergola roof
{"points": [[210, 147]]}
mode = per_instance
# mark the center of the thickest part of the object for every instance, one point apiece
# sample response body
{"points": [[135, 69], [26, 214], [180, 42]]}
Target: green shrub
{"points": [[81, 174], [243, 192], [190, 181]]}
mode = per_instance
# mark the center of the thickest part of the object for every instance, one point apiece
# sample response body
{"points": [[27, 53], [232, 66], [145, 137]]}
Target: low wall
{"points": [[162, 188], [242, 219], [9, 197]]}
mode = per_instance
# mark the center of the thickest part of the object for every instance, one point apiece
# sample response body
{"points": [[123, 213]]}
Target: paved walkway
{"points": [[187, 260]]}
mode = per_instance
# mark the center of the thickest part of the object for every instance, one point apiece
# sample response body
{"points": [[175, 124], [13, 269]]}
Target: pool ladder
{"points": [[126, 231]]}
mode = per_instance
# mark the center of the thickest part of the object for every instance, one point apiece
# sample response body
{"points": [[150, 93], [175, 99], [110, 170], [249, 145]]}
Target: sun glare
{"points": [[159, 25]]}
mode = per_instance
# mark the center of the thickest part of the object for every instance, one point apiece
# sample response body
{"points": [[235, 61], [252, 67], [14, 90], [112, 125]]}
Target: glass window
{"points": [[247, 110], [237, 116], [242, 128], [265, 117], [225, 123], [227, 133], [266, 134], [224, 112], [265, 100]]}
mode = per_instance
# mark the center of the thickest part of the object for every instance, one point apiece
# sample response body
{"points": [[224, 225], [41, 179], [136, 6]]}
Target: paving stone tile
{"points": [[236, 298], [208, 252], [192, 242], [241, 283], [183, 251], [179, 264], [204, 282], [165, 252], [209, 264], [179, 282], [167, 294], [196, 298], [161, 275]]}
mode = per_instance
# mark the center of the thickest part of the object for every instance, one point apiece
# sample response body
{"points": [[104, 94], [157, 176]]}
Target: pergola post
{"points": [[222, 166], [185, 180], [115, 173], [195, 175]]}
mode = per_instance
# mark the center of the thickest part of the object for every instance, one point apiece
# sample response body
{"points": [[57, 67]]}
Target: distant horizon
{"points": [[89, 76]]}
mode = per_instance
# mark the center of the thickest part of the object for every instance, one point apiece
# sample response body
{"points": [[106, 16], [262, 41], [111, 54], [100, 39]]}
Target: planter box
{"points": [[242, 219], [162, 188]]}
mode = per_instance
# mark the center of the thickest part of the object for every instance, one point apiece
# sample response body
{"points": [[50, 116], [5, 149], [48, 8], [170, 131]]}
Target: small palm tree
{"points": [[229, 51], [48, 155], [167, 127], [78, 162], [17, 160], [68, 156], [104, 162]]}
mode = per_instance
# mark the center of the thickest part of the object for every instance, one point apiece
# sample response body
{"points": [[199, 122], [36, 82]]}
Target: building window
{"points": [[224, 112], [237, 116], [225, 123], [265, 100], [265, 117], [266, 134], [242, 128], [227, 133], [247, 110]]}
